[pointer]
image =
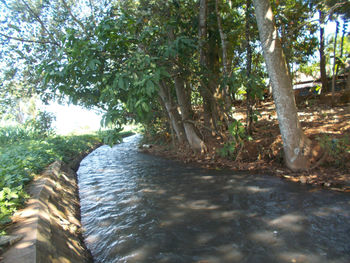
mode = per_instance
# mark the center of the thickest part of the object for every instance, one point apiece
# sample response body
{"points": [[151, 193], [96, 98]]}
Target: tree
{"points": [[297, 33], [295, 144], [323, 72]]}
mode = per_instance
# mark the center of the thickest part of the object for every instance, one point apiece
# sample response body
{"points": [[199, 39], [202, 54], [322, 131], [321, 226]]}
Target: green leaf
{"points": [[115, 82], [138, 103], [149, 88], [165, 73], [121, 83], [145, 107], [93, 64]]}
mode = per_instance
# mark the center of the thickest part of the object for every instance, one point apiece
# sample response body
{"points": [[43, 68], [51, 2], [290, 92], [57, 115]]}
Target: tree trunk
{"points": [[322, 54], [226, 64], [225, 61], [334, 61], [174, 116], [341, 48], [250, 100], [191, 131], [295, 143], [184, 101], [208, 85]]}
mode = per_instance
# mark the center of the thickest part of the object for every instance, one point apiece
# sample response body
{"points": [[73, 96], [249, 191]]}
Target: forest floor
{"points": [[322, 123]]}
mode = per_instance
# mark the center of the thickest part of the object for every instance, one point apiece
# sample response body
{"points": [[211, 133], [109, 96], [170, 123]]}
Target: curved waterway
{"points": [[140, 208]]}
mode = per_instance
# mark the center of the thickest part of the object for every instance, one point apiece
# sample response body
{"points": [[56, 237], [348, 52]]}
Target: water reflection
{"points": [[139, 208]]}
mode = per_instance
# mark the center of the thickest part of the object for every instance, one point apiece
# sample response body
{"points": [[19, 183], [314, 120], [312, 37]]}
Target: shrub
{"points": [[338, 149]]}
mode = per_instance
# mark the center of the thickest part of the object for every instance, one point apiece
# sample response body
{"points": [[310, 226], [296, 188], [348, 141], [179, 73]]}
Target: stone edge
{"points": [[35, 226]]}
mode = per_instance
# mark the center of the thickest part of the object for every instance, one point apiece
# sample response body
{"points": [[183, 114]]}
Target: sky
{"points": [[73, 119]]}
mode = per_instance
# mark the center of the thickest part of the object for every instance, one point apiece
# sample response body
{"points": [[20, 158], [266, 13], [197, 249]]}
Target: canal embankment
{"points": [[49, 228]]}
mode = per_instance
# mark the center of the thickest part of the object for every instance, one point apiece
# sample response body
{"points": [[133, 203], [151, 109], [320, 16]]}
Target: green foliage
{"points": [[338, 150], [112, 137], [12, 134], [42, 124], [241, 86], [238, 135], [37, 128], [21, 157], [297, 33]]}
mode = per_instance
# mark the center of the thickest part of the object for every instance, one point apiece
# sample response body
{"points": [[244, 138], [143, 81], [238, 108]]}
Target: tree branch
{"points": [[40, 22], [92, 12], [337, 5], [73, 16], [29, 40]]}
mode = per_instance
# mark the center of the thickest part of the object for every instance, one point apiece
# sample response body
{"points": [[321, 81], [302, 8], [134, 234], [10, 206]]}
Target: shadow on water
{"points": [[140, 208]]}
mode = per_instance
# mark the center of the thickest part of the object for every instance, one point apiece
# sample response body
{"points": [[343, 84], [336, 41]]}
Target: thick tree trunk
{"points": [[174, 116], [196, 143], [208, 84], [295, 143], [322, 54]]}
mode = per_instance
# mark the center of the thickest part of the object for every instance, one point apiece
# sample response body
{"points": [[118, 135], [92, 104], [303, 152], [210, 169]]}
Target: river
{"points": [[140, 208]]}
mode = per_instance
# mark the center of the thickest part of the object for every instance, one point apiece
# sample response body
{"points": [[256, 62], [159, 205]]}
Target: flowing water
{"points": [[140, 208]]}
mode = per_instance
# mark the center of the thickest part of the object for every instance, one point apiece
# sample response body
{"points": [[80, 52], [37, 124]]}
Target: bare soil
{"points": [[325, 125]]}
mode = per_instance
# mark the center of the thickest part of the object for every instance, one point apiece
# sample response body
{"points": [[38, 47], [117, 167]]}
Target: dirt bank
{"points": [[49, 226], [329, 126]]}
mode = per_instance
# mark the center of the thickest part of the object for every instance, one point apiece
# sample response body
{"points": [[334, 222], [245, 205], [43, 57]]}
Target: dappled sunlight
{"points": [[49, 224], [204, 238], [153, 191], [291, 222], [179, 197], [173, 218], [298, 257], [73, 246], [198, 205], [257, 189], [330, 211], [91, 239], [226, 215], [139, 254], [132, 200], [106, 223], [25, 244], [229, 253], [267, 237], [205, 178], [62, 259]]}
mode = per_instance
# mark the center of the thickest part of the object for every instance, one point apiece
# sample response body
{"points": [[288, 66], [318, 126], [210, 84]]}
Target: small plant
{"points": [[337, 149], [238, 135]]}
